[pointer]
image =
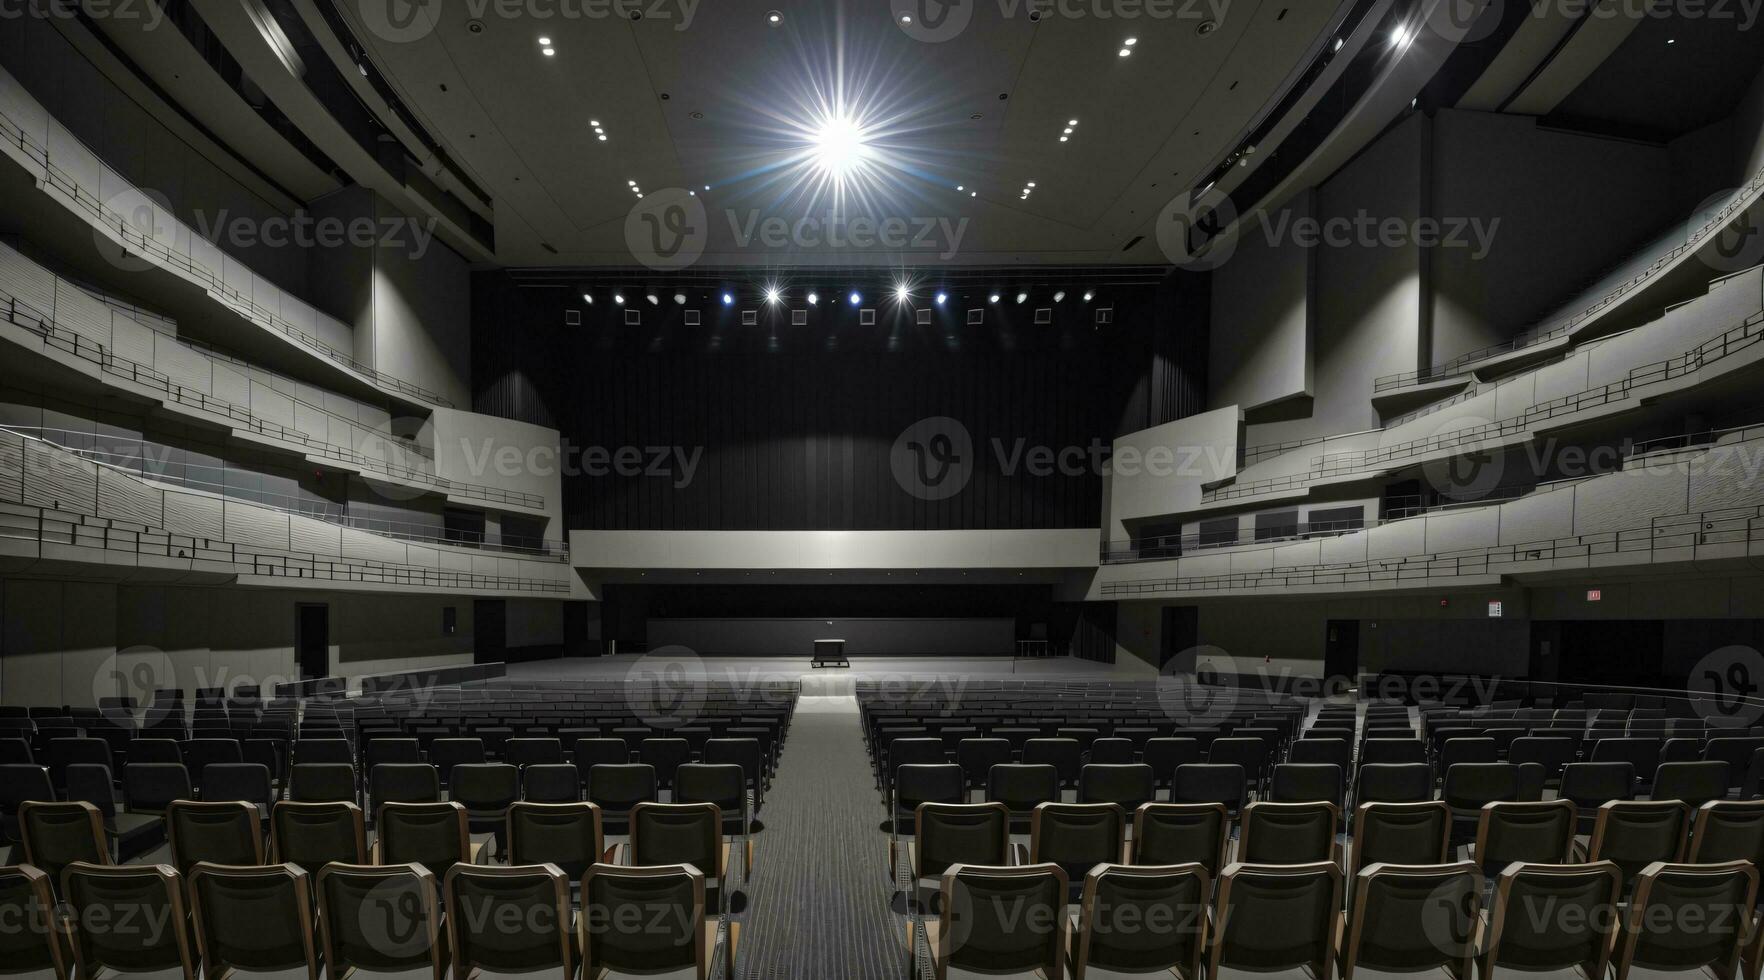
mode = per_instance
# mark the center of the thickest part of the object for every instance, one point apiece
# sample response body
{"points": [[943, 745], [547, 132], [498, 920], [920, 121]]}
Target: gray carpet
{"points": [[818, 904]]}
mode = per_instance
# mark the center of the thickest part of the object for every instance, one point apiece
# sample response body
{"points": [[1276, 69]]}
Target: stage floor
{"points": [[822, 681]]}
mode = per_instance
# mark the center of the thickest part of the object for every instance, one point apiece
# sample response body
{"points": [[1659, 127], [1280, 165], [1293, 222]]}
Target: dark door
{"points": [[1341, 650], [1181, 634], [489, 631], [312, 640]]}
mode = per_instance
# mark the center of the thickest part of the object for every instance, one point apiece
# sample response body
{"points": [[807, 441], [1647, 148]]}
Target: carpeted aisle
{"points": [[818, 904]]}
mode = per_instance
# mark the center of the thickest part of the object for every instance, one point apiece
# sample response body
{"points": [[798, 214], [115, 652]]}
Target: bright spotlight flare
{"points": [[839, 145]]}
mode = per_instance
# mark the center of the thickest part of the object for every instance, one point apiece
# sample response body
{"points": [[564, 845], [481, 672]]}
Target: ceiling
{"points": [[1672, 75], [698, 94]]}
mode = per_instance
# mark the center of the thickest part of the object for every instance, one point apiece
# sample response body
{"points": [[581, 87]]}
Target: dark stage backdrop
{"points": [[779, 427]]}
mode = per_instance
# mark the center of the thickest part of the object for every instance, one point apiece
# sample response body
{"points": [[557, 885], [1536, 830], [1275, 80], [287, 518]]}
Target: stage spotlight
{"points": [[1022, 296], [772, 294], [814, 298], [654, 300], [1060, 296], [901, 293], [1087, 295], [993, 298], [728, 299], [680, 298], [588, 298], [941, 297], [619, 298], [856, 297]]}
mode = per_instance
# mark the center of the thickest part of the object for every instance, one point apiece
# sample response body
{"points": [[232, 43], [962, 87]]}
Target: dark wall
{"points": [[780, 427]]}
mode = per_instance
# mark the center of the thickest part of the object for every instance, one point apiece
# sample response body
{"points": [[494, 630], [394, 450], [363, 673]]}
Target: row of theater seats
{"points": [[310, 892]]}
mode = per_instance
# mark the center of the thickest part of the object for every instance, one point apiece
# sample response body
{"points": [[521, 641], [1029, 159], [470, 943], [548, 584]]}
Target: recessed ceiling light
{"points": [[1130, 42], [728, 299], [1672, 40], [1071, 122], [1065, 139], [973, 193], [595, 123], [1030, 184], [993, 298], [601, 137], [771, 294], [630, 182], [960, 187], [774, 17], [814, 298], [839, 145], [856, 297], [680, 299], [545, 42], [1126, 51], [654, 300], [619, 298], [1068, 130], [1087, 295], [589, 297], [549, 52], [692, 193], [707, 187], [901, 293], [1060, 296], [1338, 44], [941, 297], [1022, 296], [906, 18]]}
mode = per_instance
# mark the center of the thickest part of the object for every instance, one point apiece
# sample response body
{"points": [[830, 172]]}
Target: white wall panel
{"points": [[1628, 499], [196, 516]]}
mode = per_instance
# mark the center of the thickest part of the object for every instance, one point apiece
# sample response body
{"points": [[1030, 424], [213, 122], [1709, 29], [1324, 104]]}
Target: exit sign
{"points": [[1496, 609], [1595, 595]]}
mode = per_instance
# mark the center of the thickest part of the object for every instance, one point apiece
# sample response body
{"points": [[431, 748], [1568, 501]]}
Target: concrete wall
{"points": [[74, 642], [862, 636], [1568, 206], [408, 297], [1259, 340], [1170, 465]]}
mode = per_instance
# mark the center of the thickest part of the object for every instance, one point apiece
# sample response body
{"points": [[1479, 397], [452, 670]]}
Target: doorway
{"points": [[312, 639], [1341, 650], [489, 631]]}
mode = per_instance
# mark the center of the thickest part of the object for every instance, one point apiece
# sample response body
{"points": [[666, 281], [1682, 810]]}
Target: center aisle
{"points": [[819, 898]]}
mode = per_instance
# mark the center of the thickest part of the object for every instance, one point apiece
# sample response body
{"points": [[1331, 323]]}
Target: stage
{"points": [[822, 681]]}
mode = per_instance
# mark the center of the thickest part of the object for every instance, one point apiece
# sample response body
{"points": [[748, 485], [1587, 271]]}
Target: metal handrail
{"points": [[1544, 333], [24, 315], [114, 223], [95, 532], [178, 474], [1726, 527], [1736, 339]]}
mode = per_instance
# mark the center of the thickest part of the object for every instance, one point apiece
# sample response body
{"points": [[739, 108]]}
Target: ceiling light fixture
{"points": [[901, 293], [993, 298], [589, 297], [548, 52], [1130, 42], [728, 299], [774, 17], [814, 298], [839, 144], [941, 297], [1126, 51], [680, 299], [772, 294], [1022, 296], [1060, 296], [654, 300], [856, 297], [619, 298], [1088, 295]]}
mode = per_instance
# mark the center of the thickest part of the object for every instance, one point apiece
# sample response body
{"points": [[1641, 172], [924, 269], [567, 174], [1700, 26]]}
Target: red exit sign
{"points": [[1595, 595]]}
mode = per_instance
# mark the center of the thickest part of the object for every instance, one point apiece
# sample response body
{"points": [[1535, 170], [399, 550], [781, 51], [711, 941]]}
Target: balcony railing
{"points": [[1537, 335], [1737, 339], [30, 318], [1684, 536], [114, 223]]}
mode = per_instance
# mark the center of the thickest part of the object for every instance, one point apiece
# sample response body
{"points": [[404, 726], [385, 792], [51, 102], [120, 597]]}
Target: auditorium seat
{"points": [[434, 835], [1020, 788], [393, 919], [568, 835], [56, 835], [480, 899], [1182, 833], [681, 834], [1533, 833], [253, 920], [1728, 830], [1177, 897], [724, 785], [682, 939], [1413, 920], [34, 945], [321, 782], [1277, 918], [99, 895], [618, 788], [1694, 783], [486, 790], [1002, 927], [130, 834], [1657, 935], [1077, 837], [1589, 784], [312, 835], [1128, 785], [1634, 834], [152, 787], [948, 834], [559, 783], [1211, 783], [1288, 833], [1401, 833], [220, 833], [1574, 938]]}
